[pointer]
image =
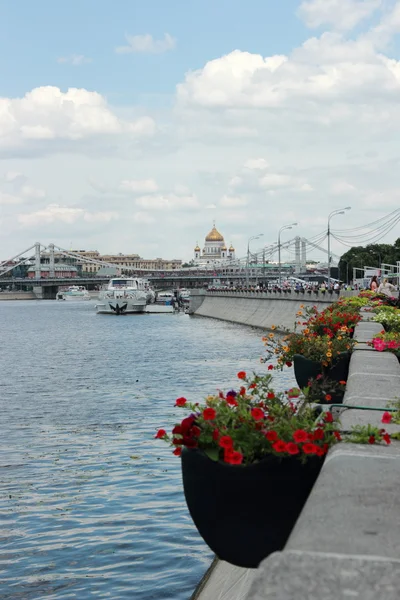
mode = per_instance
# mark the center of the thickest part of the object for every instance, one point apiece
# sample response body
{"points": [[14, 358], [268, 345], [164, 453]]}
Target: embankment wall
{"points": [[257, 309], [17, 296]]}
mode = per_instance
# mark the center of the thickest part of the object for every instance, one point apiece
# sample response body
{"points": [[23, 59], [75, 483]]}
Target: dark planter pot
{"points": [[305, 369], [244, 513]]}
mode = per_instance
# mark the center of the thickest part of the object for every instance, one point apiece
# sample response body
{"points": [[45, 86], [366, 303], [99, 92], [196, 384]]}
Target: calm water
{"points": [[91, 506]]}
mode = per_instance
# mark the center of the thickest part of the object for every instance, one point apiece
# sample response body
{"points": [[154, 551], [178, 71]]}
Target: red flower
{"points": [[186, 424], [215, 434], [180, 402], [177, 430], [226, 442], [386, 438], [177, 441], [189, 442], [196, 431], [160, 433], [242, 375], [300, 436], [242, 391], [292, 448], [221, 395], [271, 436], [342, 382], [387, 417], [319, 451], [270, 367], [279, 446], [328, 397], [337, 435], [231, 400], [328, 418], [270, 395], [252, 386], [233, 458], [209, 414], [309, 448], [257, 413], [288, 363], [177, 451], [319, 434], [371, 439]]}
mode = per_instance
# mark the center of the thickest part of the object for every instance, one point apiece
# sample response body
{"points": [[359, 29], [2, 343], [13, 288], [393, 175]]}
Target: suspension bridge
{"points": [[256, 266]]}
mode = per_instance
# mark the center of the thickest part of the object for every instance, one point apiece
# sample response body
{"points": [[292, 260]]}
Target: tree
{"points": [[372, 255]]}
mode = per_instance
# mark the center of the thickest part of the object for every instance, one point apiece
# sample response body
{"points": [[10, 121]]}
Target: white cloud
{"points": [[31, 192], [9, 199], [233, 201], [76, 60], [143, 217], [68, 215], [256, 164], [146, 44], [12, 176], [342, 187], [342, 14], [167, 202], [47, 113], [140, 186]]}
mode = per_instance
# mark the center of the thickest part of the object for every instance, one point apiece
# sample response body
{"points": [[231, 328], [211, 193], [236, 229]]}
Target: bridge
{"points": [[253, 268]]}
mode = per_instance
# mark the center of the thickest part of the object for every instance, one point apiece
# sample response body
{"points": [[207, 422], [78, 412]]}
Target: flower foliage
{"points": [[386, 341], [389, 317], [324, 336], [246, 425], [323, 389]]}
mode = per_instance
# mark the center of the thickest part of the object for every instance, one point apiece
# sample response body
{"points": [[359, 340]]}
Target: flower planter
{"points": [[244, 513], [305, 369]]}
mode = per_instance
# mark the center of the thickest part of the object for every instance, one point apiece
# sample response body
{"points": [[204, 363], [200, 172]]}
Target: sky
{"points": [[131, 126]]}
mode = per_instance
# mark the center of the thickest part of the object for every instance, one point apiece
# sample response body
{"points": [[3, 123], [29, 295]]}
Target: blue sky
{"points": [[94, 28], [249, 113]]}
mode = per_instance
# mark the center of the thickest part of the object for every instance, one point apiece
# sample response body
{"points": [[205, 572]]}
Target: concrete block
{"points": [[354, 506], [312, 576]]}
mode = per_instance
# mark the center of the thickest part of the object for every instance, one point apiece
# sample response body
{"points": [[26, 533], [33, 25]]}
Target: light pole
{"points": [[279, 249], [253, 237], [339, 211]]}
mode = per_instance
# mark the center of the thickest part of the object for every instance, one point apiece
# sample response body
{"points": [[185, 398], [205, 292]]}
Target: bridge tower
{"points": [[303, 255], [51, 265], [38, 269], [297, 254]]}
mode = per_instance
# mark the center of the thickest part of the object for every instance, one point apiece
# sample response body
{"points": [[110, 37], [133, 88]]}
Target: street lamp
{"points": [[279, 249], [253, 237], [339, 211]]}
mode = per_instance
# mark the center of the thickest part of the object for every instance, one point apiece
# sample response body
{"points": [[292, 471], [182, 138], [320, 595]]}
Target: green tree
{"points": [[372, 255]]}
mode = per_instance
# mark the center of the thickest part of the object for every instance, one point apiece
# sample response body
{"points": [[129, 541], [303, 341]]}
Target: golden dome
{"points": [[224, 248], [197, 249], [214, 236], [231, 249]]}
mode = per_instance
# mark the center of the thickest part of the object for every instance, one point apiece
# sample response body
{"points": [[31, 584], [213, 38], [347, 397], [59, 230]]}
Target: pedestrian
{"points": [[386, 288], [373, 285]]}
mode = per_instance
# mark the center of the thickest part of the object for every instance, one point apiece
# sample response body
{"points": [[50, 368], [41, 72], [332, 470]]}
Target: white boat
{"points": [[124, 295], [165, 298], [184, 294], [74, 292]]}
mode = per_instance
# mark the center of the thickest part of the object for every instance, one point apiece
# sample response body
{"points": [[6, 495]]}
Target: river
{"points": [[91, 504]]}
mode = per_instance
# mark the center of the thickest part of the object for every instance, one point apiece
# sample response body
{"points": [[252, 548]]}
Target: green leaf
{"points": [[212, 453]]}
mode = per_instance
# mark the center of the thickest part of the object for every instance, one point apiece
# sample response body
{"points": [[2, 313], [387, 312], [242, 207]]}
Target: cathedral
{"points": [[214, 251]]}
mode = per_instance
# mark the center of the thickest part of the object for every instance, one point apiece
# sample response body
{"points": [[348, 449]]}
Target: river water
{"points": [[91, 505]]}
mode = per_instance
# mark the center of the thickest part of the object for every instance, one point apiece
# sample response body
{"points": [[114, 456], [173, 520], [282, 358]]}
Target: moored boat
{"points": [[73, 292], [124, 295]]}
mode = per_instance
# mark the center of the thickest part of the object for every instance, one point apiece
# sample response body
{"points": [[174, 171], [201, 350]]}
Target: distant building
{"points": [[214, 251], [60, 270]]}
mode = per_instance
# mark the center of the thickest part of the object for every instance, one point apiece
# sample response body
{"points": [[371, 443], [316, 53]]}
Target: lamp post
{"points": [[339, 211], [279, 249], [253, 237]]}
